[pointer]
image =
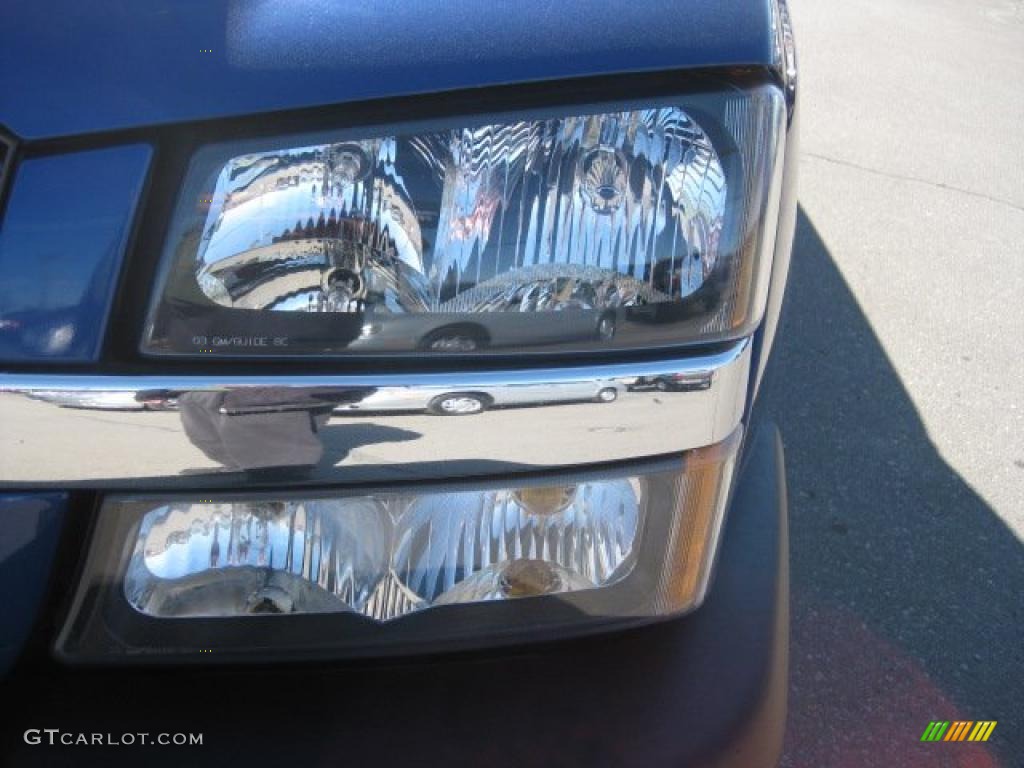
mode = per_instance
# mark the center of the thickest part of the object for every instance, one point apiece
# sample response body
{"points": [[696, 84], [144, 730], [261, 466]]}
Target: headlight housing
{"points": [[382, 572], [588, 228]]}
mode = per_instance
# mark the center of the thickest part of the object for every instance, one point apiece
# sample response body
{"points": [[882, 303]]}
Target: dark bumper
{"points": [[707, 690]]}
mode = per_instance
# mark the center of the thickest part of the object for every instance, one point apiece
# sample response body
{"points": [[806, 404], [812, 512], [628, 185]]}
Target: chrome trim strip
{"points": [[237, 431]]}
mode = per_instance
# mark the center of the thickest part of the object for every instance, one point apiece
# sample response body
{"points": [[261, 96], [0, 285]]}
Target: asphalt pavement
{"points": [[898, 383]]}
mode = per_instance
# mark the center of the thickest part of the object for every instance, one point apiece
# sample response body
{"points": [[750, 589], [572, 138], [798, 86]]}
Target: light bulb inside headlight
{"points": [[653, 214]]}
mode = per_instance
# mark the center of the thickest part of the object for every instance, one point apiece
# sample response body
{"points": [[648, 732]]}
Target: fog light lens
{"points": [[384, 555], [389, 571], [235, 558]]}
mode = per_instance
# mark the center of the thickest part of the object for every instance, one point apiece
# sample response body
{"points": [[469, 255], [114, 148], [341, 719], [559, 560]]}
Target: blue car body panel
{"points": [[70, 68], [62, 241], [30, 525]]}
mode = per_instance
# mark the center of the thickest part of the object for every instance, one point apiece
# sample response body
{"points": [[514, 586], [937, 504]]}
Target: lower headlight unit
{"points": [[398, 571], [382, 556]]}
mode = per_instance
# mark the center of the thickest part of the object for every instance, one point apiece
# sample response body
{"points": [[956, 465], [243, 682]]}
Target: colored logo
{"points": [[960, 730]]}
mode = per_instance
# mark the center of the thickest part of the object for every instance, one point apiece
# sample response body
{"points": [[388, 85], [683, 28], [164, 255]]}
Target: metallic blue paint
{"points": [[62, 240], [29, 528], [69, 67]]}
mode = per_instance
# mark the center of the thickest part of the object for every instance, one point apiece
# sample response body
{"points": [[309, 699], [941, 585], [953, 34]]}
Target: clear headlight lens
{"points": [[382, 556], [467, 239], [386, 571]]}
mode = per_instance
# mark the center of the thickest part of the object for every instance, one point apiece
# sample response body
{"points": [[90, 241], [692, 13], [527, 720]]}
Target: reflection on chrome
{"points": [[183, 430], [593, 212], [459, 402], [383, 555], [673, 382], [94, 400], [375, 400]]}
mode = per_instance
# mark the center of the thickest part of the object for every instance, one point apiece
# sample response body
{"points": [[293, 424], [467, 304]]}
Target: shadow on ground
{"points": [[907, 587]]}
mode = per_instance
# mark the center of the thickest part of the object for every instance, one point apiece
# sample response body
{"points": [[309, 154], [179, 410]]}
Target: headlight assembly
{"points": [[590, 228], [371, 573]]}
